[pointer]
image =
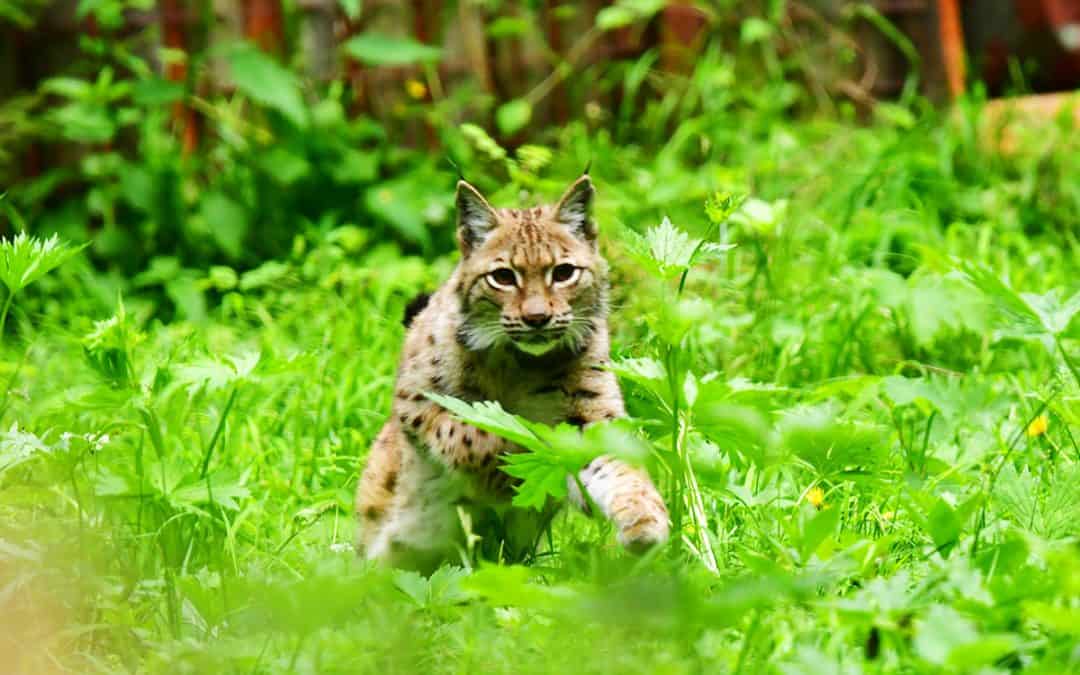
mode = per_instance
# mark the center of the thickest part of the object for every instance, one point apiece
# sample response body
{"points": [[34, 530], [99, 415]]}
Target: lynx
{"points": [[522, 320]]}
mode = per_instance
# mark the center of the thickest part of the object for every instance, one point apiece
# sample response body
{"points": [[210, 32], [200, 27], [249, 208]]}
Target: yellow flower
{"points": [[816, 497], [415, 89], [1038, 426]]}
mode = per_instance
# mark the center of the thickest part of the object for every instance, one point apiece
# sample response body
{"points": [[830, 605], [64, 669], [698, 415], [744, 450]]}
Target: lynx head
{"points": [[532, 278]]}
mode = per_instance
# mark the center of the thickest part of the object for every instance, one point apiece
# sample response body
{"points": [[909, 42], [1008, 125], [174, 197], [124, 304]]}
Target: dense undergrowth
{"points": [[859, 388]]}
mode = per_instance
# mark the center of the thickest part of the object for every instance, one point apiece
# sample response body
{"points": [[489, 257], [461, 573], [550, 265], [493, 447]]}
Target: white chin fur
{"points": [[536, 348]]}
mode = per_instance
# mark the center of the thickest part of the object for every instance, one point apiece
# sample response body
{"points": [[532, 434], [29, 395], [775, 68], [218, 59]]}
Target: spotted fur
{"points": [[523, 321]]}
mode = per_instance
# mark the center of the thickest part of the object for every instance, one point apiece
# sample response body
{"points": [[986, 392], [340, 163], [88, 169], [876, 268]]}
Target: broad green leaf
{"points": [[378, 49], [755, 29], [512, 116], [943, 630], [625, 12], [68, 87], [226, 221], [259, 77], [734, 428], [816, 529], [512, 585], [156, 91], [221, 489], [833, 445], [352, 8]]}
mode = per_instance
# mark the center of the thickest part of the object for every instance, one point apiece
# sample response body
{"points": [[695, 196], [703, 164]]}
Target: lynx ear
{"points": [[574, 210], [476, 218]]}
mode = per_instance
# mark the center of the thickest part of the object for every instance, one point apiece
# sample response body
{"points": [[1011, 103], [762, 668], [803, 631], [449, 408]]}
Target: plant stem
{"points": [[217, 432], [4, 312], [1061, 348]]}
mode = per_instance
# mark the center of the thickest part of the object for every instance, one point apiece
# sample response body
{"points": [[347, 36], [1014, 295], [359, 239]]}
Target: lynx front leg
{"points": [[624, 493], [627, 498]]}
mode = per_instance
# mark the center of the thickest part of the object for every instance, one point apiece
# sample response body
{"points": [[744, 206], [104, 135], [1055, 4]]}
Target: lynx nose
{"points": [[536, 320]]}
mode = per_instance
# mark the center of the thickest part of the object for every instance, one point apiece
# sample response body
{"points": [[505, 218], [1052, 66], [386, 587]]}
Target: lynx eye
{"points": [[502, 277], [564, 273]]}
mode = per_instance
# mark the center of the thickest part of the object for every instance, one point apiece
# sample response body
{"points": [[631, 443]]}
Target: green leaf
{"points": [[18, 446], [553, 452], [668, 251], [734, 428], [223, 489], [483, 142], [760, 217], [378, 49], [214, 374], [259, 77], [815, 530], [512, 116], [943, 630], [490, 416], [226, 222], [1013, 309], [25, 259], [834, 446], [625, 12], [406, 203], [352, 8], [68, 87], [156, 91], [755, 29]]}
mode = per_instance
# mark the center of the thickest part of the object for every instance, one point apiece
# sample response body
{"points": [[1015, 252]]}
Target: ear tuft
{"points": [[476, 218], [574, 210]]}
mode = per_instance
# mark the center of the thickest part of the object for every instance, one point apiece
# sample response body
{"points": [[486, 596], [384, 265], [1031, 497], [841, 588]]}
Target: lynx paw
{"points": [[644, 533]]}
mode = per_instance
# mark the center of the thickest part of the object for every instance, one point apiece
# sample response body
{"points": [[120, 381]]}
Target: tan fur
{"points": [[474, 340]]}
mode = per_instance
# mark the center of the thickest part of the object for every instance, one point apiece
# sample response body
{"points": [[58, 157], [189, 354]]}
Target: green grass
{"points": [[839, 410]]}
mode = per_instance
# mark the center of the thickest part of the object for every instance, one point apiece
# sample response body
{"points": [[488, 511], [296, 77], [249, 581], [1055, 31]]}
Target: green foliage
{"points": [[854, 386], [554, 453], [376, 49], [24, 260]]}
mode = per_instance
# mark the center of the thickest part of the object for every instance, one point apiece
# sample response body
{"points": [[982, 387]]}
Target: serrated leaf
{"points": [[489, 416], [222, 489], [1012, 307], [25, 259], [214, 374], [553, 453], [668, 251]]}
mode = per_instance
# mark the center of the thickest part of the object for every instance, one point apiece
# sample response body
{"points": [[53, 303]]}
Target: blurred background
{"points": [[178, 135]]}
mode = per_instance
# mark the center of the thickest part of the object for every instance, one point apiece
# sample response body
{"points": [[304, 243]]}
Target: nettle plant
{"points": [[24, 260], [666, 431]]}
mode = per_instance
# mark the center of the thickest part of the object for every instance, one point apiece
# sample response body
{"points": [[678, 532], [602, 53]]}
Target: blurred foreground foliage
{"points": [[849, 352]]}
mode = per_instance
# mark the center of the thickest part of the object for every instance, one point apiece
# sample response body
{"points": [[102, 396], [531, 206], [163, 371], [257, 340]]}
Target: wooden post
{"points": [[952, 45], [263, 24], [174, 19]]}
